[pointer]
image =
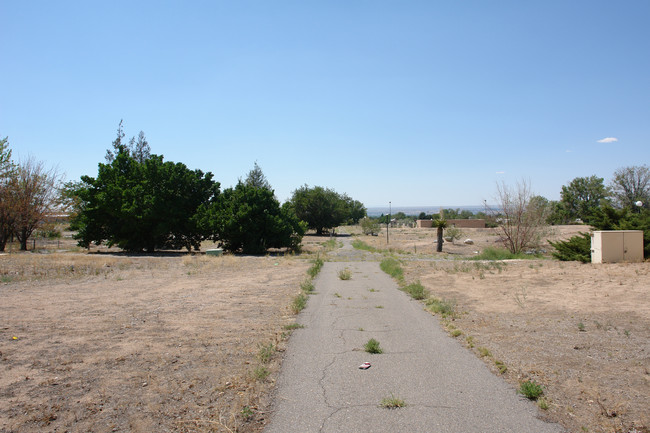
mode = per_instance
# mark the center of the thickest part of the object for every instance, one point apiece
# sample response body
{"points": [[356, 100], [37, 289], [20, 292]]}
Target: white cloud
{"points": [[500, 172], [608, 140]]}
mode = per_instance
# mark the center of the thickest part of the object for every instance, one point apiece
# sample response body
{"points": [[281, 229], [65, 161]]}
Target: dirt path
{"points": [[445, 387]]}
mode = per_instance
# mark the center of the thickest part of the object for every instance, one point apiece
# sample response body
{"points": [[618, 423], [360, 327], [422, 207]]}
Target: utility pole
{"points": [[388, 222]]}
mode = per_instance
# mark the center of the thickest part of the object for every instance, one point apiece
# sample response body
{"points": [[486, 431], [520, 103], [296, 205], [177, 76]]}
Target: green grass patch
{"points": [[393, 268], [501, 366], [361, 245], [372, 346], [416, 290]]}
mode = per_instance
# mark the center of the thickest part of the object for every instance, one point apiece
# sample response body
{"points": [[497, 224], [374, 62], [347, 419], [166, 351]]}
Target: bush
{"points": [[577, 248], [530, 390], [369, 226], [416, 290], [372, 346]]}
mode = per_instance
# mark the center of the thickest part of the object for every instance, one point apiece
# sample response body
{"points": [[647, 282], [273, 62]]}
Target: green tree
{"points": [[257, 178], [249, 219], [582, 197], [610, 218], [144, 205], [323, 208]]}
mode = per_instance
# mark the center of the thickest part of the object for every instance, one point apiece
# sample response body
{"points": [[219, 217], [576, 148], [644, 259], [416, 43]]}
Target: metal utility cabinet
{"points": [[617, 246]]}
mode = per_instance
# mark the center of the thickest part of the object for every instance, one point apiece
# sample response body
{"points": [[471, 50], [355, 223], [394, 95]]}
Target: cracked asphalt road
{"points": [[445, 387]]}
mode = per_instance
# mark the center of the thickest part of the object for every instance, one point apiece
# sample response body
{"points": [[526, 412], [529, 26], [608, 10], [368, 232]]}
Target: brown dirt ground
{"points": [[108, 342], [102, 343], [529, 313]]}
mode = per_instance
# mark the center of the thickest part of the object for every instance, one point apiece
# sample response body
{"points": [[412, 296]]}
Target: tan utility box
{"points": [[614, 246]]}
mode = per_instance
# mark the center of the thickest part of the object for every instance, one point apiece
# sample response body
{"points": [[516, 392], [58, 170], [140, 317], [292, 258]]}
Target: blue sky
{"points": [[413, 102]]}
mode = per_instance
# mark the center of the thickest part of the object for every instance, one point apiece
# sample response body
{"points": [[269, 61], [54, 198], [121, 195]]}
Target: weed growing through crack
{"points": [[316, 266], [581, 327], [392, 402], [307, 286], [337, 295], [530, 389], [379, 306], [299, 303], [345, 274], [372, 346]]}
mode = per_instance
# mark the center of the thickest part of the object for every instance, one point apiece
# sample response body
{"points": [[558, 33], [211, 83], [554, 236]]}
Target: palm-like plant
{"points": [[440, 224]]}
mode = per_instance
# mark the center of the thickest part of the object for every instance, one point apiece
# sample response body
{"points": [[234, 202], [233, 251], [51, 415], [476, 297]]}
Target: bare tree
{"points": [[35, 193], [631, 185], [523, 219], [7, 179]]}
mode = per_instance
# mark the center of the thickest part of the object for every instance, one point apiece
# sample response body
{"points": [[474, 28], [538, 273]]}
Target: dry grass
{"points": [[141, 344]]}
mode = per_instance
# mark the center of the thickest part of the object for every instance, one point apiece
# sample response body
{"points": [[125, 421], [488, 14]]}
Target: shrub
{"points": [[416, 290], [530, 390], [577, 248], [345, 274], [372, 346], [369, 226]]}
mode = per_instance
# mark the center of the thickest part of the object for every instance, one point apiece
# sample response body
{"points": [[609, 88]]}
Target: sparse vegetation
{"points": [[299, 303], [372, 346], [316, 266], [293, 326], [345, 274], [392, 402], [266, 352], [441, 306]]}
